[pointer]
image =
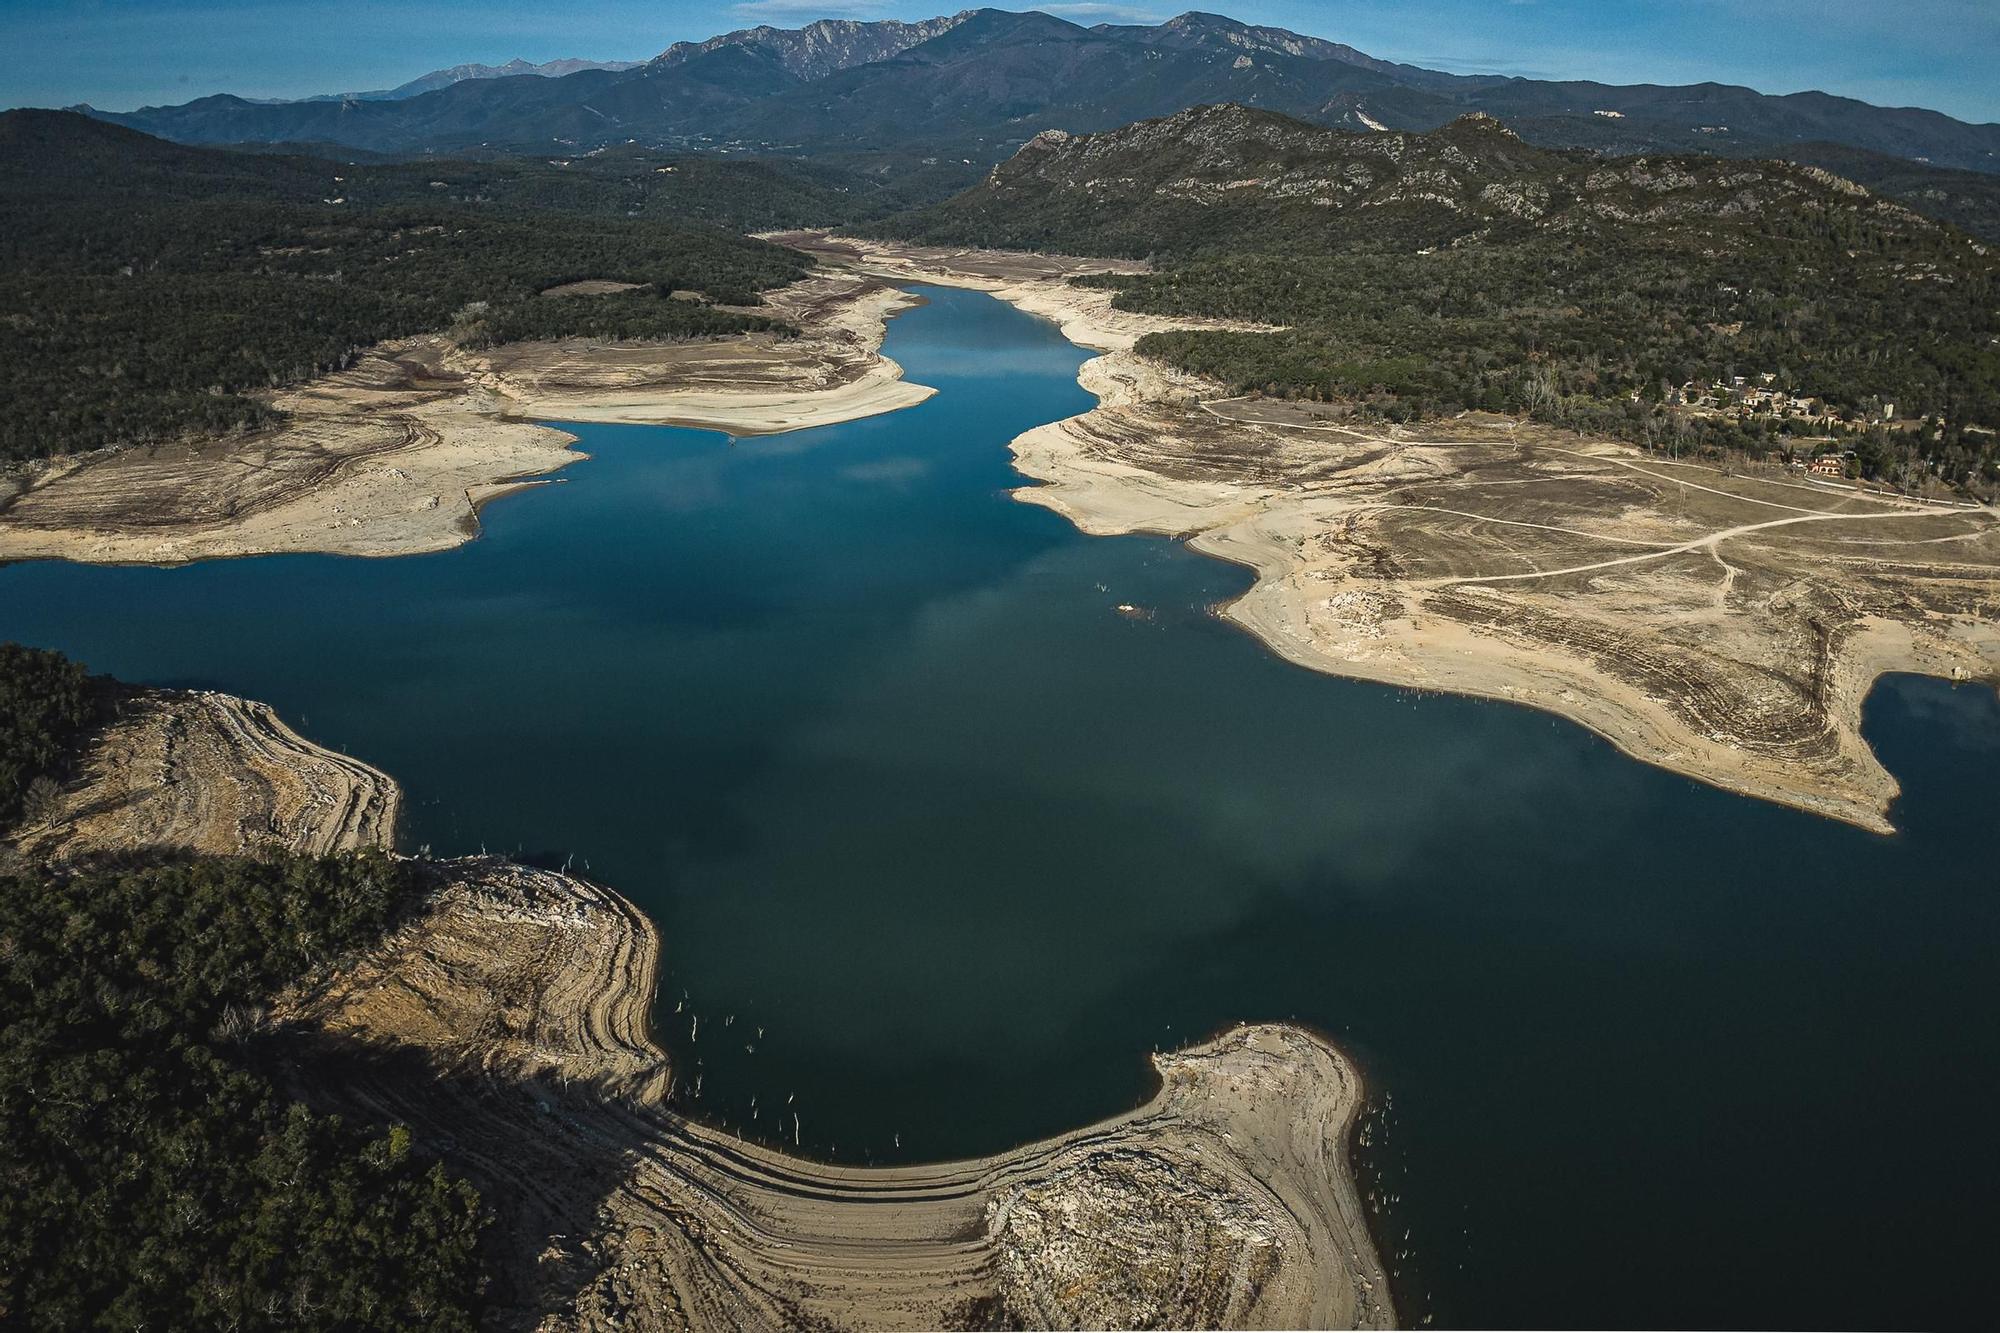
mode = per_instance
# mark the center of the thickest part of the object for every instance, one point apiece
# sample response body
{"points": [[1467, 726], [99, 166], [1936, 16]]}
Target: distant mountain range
{"points": [[975, 86], [431, 82], [819, 49], [444, 78]]}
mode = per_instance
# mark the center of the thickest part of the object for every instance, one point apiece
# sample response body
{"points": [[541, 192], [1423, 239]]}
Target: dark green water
{"points": [[907, 794]]}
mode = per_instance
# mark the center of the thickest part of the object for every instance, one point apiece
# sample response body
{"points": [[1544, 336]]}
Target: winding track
{"points": [[1709, 542]]}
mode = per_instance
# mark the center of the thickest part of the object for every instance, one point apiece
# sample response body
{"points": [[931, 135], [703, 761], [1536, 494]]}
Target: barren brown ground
{"points": [[391, 457], [1722, 626], [1726, 627], [508, 1019], [200, 771], [754, 385], [511, 1021]]}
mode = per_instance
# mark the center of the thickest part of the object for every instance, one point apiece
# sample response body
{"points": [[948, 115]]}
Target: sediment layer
{"points": [[391, 457], [756, 385], [1724, 624], [198, 771], [510, 1021]]}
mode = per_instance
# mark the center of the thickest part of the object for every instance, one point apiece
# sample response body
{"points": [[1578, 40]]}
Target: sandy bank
{"points": [[391, 457], [1035, 283], [509, 1021], [1722, 627], [757, 385], [1725, 626]]}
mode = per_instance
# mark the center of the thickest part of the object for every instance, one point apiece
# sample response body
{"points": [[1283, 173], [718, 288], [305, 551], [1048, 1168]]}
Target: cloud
{"points": [[1484, 65], [1097, 13], [803, 11]]}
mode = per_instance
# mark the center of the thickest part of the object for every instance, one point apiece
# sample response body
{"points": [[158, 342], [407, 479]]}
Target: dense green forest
{"points": [[1421, 275], [1569, 333], [48, 704], [152, 1173], [147, 290]]}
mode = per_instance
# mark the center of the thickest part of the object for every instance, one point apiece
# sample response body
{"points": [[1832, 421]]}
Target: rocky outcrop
{"points": [[825, 47]]}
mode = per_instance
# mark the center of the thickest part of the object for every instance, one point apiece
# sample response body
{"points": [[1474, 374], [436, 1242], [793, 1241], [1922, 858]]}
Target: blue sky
{"points": [[118, 54]]}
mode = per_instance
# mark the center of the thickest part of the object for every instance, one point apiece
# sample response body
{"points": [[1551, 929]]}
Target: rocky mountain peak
{"points": [[823, 47]]}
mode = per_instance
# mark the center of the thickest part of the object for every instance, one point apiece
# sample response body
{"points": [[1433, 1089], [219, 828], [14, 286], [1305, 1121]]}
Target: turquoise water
{"points": [[952, 844]]}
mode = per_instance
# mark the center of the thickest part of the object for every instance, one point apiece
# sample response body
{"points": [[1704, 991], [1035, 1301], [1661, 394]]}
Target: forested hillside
{"points": [[48, 705], [1427, 273], [149, 289], [152, 1173]]}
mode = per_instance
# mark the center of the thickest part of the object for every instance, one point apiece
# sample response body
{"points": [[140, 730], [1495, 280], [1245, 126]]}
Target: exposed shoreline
{"points": [[838, 372], [1746, 671], [201, 771], [511, 1017], [398, 454], [509, 1021], [1725, 627], [1223, 1201]]}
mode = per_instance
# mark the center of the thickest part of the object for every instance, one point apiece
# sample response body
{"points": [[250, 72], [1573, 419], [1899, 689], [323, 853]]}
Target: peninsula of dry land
{"points": [[508, 1019], [396, 455], [1724, 624]]}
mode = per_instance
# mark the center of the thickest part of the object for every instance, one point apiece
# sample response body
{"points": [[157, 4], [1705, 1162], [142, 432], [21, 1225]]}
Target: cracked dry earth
{"points": [[508, 1019], [1724, 625]]}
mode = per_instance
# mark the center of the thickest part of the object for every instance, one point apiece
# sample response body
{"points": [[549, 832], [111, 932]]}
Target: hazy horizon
{"points": [[118, 55]]}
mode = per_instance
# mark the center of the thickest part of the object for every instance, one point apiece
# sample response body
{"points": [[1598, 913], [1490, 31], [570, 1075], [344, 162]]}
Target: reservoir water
{"points": [[942, 843]]}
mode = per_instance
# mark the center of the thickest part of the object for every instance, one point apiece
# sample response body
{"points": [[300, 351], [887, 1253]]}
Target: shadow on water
{"points": [[941, 843]]}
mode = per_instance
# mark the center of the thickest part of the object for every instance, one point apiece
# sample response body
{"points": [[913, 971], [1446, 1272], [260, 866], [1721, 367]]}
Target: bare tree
{"points": [[41, 800], [1541, 389]]}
